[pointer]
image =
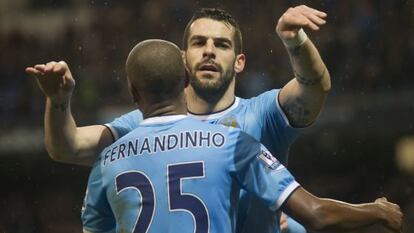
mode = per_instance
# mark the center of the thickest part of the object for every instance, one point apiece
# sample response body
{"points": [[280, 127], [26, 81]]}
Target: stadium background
{"points": [[348, 154]]}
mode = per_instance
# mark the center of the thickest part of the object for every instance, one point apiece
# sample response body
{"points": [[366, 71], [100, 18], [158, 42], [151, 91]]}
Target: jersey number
{"points": [[178, 201]]}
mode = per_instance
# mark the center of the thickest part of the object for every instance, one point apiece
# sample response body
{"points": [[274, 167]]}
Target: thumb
{"points": [[381, 199]]}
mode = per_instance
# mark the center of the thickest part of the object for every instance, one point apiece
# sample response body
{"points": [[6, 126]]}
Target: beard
{"points": [[213, 89]]}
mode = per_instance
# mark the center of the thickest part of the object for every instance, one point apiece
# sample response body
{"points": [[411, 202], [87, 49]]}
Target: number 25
{"points": [[178, 201]]}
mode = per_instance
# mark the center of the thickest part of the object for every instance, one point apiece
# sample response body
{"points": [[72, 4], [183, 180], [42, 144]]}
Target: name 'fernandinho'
{"points": [[160, 143]]}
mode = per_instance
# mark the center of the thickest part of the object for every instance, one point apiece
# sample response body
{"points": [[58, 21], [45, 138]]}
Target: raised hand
{"points": [[54, 79], [299, 17]]}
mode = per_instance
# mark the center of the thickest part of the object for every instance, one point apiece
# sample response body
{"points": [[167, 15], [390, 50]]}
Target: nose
{"points": [[209, 49]]}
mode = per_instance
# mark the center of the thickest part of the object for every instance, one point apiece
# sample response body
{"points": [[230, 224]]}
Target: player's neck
{"points": [[165, 108], [198, 105]]}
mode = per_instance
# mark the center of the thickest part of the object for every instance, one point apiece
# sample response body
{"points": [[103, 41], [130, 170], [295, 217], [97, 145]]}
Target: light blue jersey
{"points": [[260, 117], [174, 174]]}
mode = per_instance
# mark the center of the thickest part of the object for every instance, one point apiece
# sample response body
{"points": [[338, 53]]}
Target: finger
{"points": [[283, 227], [318, 13], [314, 18], [394, 228], [40, 67], [33, 72], [63, 63], [50, 66], [305, 22], [313, 11], [58, 68], [296, 19], [311, 25], [396, 206], [381, 199]]}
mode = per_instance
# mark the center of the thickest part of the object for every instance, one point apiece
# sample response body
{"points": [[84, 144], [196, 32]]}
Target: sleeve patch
{"points": [[269, 160]]}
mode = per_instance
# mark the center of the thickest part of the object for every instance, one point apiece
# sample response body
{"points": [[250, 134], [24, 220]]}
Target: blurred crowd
{"points": [[368, 47]]}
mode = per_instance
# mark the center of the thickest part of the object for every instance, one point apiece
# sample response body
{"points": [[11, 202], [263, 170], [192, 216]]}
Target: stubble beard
{"points": [[212, 91]]}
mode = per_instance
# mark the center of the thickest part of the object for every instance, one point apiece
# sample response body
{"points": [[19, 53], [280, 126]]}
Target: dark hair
{"points": [[219, 15], [155, 67]]}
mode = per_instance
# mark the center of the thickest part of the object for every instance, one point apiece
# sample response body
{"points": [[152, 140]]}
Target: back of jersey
{"points": [[159, 178]]}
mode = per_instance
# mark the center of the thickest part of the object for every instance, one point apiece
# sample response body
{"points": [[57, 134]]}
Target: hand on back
{"points": [[391, 213]]}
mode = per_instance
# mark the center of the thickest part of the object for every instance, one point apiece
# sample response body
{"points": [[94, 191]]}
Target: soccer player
{"points": [[176, 174], [213, 54]]}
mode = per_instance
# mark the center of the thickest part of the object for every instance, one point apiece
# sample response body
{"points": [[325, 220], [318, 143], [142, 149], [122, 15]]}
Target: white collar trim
{"points": [[218, 114], [162, 119]]}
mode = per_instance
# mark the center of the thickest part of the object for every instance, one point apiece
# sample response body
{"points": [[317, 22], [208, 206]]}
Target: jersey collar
{"points": [[216, 115], [162, 119]]}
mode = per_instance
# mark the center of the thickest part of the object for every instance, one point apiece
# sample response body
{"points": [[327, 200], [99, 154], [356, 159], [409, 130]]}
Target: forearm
{"points": [[303, 98], [309, 69], [60, 130], [336, 216], [65, 142], [327, 215]]}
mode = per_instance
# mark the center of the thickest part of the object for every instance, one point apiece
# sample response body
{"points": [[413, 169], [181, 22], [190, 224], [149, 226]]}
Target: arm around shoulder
{"points": [[327, 215]]}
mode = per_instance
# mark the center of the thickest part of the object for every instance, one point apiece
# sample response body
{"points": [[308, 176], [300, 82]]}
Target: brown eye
{"points": [[222, 45], [198, 43]]}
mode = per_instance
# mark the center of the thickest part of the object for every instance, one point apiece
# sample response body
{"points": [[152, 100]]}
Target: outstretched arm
{"points": [[64, 141], [302, 99], [327, 215]]}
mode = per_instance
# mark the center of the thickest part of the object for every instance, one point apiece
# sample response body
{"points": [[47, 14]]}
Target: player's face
{"points": [[210, 57]]}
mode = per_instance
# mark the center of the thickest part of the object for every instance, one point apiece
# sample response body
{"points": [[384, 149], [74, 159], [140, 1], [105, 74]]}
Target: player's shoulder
{"points": [[255, 103], [134, 113], [270, 94]]}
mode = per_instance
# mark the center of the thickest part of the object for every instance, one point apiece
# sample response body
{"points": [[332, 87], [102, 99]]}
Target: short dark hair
{"points": [[156, 67], [219, 15]]}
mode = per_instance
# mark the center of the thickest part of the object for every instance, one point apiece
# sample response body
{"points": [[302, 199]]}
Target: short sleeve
{"points": [[275, 130], [96, 213], [260, 173], [124, 124]]}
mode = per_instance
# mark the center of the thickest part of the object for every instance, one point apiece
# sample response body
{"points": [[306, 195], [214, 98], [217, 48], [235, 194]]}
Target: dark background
{"points": [[348, 154]]}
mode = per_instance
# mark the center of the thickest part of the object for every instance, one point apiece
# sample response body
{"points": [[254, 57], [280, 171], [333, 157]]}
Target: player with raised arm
{"points": [[212, 51], [176, 174]]}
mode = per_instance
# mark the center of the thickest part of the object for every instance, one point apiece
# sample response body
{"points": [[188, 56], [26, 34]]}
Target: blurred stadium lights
{"points": [[404, 151], [21, 140]]}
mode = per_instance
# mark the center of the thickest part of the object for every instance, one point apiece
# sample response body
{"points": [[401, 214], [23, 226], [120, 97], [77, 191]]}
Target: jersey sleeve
{"points": [[124, 124], [276, 130], [96, 213], [260, 173]]}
